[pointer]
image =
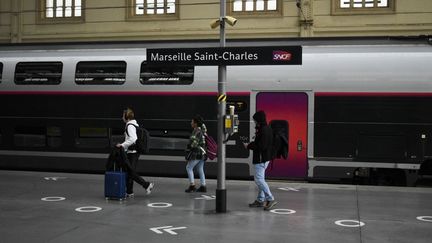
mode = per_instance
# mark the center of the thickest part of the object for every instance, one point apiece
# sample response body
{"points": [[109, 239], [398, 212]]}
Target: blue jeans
{"points": [[200, 165], [264, 193]]}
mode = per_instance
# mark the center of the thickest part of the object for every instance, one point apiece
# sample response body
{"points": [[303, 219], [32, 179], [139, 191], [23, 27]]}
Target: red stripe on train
{"points": [[377, 94], [153, 93]]}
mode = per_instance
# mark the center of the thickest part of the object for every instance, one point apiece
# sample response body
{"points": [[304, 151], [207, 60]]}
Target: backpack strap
{"points": [[127, 127]]}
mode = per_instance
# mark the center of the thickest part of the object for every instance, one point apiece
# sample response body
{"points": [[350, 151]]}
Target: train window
{"points": [[169, 139], [167, 75], [239, 106], [38, 73], [93, 132], [117, 135], [92, 137], [1, 71], [54, 137], [100, 72], [34, 137]]}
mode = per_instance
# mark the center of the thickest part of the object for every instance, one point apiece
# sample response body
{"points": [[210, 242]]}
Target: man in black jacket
{"points": [[262, 154]]}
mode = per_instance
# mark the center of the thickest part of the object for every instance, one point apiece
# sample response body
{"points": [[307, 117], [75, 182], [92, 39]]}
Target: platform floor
{"points": [[305, 212]]}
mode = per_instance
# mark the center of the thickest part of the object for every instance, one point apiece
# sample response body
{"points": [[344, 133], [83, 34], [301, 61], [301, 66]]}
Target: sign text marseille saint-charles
{"points": [[269, 55], [206, 56]]}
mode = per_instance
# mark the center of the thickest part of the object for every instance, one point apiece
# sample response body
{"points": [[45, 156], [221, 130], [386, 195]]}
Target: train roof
{"points": [[315, 41]]}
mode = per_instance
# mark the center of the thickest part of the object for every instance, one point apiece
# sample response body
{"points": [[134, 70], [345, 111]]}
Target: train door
{"points": [[289, 111]]}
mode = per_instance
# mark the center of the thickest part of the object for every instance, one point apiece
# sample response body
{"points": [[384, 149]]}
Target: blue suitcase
{"points": [[115, 185]]}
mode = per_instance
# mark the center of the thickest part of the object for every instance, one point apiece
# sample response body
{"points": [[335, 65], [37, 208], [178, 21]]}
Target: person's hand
{"points": [[118, 145], [245, 145]]}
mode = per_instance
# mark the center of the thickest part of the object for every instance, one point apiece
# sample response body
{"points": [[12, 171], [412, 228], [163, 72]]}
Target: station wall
{"points": [[110, 20]]}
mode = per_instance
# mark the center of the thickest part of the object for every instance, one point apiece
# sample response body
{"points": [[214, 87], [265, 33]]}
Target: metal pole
{"points": [[221, 190]]}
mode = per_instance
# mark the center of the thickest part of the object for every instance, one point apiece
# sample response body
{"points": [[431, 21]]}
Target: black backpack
{"points": [[143, 138], [280, 139]]}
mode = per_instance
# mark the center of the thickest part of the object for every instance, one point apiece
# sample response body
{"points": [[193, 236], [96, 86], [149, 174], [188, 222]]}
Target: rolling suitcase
{"points": [[115, 185]]}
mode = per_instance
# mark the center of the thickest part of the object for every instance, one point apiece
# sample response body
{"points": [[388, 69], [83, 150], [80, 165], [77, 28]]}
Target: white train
{"points": [[355, 109]]}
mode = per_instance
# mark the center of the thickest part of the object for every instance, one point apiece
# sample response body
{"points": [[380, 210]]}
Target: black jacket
{"points": [[117, 159], [262, 145]]}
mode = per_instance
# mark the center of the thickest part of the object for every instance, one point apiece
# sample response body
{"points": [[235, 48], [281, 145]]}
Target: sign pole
{"points": [[221, 189]]}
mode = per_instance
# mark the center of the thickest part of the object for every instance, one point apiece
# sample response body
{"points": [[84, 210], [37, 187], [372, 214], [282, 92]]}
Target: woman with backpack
{"points": [[196, 154], [129, 145]]}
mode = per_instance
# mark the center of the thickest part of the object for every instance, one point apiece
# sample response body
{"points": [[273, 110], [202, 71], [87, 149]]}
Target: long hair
{"points": [[198, 120]]}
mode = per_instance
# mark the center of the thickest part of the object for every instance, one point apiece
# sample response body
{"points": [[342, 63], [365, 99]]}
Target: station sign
{"points": [[259, 55]]}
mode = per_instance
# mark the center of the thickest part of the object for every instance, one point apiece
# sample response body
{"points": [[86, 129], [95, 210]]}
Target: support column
{"points": [[16, 21], [306, 18], [221, 190]]}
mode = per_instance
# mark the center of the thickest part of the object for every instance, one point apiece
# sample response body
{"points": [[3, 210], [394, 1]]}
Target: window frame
{"points": [[56, 81], [132, 16], [256, 13], [42, 19], [337, 10]]}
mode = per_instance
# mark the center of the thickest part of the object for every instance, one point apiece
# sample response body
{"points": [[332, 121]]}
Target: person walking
{"points": [[129, 146], [196, 154], [262, 154]]}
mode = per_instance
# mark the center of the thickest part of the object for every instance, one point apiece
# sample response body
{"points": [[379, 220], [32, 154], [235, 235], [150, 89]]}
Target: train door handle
{"points": [[299, 145]]}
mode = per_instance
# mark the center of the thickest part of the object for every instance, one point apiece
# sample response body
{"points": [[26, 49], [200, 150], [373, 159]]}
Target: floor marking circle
{"points": [[159, 205], [282, 211], [53, 199], [344, 222], [288, 189], [54, 178], [88, 209], [425, 218]]}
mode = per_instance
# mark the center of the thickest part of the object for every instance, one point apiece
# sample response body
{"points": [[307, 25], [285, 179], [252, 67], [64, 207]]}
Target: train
{"points": [[356, 110]]}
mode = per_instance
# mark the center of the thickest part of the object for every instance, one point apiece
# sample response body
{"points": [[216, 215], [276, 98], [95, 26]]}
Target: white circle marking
{"points": [[288, 189], [343, 223], [425, 218], [283, 211], [88, 209], [53, 199], [159, 205]]}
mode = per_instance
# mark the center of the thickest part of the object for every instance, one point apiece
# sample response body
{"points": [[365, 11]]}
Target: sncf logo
{"points": [[281, 56]]}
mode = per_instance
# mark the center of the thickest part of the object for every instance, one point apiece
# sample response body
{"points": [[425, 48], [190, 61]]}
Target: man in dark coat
{"points": [[262, 154]]}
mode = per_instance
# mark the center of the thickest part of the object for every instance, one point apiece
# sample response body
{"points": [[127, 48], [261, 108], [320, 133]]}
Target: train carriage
{"points": [[355, 110]]}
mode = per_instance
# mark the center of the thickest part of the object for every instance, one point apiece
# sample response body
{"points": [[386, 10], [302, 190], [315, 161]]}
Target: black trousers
{"points": [[132, 175]]}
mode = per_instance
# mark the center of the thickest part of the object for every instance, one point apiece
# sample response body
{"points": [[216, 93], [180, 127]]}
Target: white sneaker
{"points": [[149, 188], [130, 195]]}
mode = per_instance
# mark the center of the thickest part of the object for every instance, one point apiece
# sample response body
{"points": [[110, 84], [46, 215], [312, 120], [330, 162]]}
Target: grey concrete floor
{"points": [[305, 212]]}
